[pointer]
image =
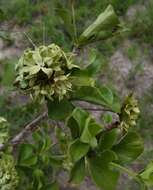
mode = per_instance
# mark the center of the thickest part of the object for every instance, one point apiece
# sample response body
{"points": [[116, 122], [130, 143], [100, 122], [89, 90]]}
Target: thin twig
{"points": [[23, 33], [30, 40], [90, 106], [44, 34], [98, 109], [10, 31], [28, 129], [112, 126], [33, 126]]}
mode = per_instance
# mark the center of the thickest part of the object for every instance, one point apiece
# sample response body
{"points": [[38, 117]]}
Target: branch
{"points": [[89, 106], [32, 126], [112, 126], [109, 127], [99, 109], [28, 129]]}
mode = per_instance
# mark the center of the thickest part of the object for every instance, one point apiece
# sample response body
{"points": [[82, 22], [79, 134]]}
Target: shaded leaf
{"points": [[46, 143], [74, 127], [55, 161], [80, 116], [108, 139], [129, 148], [39, 178], [78, 172], [103, 176], [59, 110], [27, 156], [53, 186]]}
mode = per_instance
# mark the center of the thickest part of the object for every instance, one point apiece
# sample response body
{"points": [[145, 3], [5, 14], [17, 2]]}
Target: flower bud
{"points": [[4, 132], [129, 112]]}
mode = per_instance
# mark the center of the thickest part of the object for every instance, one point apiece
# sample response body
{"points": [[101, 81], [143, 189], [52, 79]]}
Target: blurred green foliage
{"points": [[142, 24], [47, 20], [17, 114]]}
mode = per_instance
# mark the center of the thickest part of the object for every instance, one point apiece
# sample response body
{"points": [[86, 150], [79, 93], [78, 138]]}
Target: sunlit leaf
{"points": [[93, 95], [102, 28], [91, 129], [78, 150]]}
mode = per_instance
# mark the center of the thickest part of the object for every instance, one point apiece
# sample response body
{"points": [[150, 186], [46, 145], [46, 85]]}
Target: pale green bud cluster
{"points": [[45, 72], [8, 175], [4, 131], [129, 112]]}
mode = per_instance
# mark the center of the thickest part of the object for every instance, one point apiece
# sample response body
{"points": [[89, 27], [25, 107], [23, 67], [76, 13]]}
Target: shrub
{"points": [[81, 145]]}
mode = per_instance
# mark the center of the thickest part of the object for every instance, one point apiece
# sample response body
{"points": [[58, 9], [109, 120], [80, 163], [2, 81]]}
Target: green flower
{"points": [[45, 72], [4, 131], [8, 175], [129, 112]]}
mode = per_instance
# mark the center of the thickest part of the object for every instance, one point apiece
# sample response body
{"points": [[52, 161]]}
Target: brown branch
{"points": [[109, 127], [28, 129], [32, 126], [112, 126]]}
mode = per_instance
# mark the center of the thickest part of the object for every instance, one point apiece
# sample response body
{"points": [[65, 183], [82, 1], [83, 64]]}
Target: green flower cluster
{"points": [[4, 131], [129, 112], [45, 72], [8, 175]]}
